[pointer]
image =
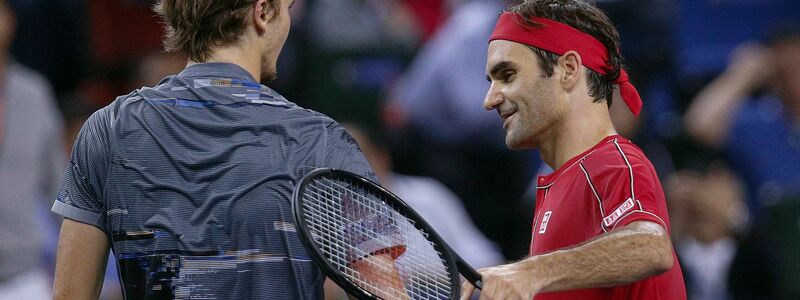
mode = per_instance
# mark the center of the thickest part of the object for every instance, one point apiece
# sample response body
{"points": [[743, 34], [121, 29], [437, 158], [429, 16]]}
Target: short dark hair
{"points": [[587, 18], [193, 27]]}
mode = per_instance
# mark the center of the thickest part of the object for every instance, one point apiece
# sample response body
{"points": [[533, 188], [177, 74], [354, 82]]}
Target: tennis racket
{"points": [[345, 221]]}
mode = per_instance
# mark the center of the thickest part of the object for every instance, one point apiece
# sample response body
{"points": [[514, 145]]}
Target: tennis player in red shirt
{"points": [[601, 229]]}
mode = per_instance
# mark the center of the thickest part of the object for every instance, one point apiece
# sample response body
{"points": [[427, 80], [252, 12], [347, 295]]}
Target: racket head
{"points": [[334, 269]]}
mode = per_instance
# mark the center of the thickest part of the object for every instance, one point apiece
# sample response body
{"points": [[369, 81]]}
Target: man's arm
{"points": [[80, 261], [708, 119], [631, 253]]}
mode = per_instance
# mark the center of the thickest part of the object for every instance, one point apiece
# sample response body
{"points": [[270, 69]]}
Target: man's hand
{"points": [[380, 276], [504, 282], [751, 65]]}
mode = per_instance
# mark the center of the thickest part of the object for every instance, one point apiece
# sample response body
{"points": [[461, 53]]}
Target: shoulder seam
{"points": [[630, 170], [597, 196]]}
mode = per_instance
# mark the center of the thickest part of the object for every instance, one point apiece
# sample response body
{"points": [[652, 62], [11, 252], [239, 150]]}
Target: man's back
{"points": [[192, 181]]}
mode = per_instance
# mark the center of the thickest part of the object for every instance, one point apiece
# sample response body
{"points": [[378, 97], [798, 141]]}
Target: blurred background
{"points": [[720, 81]]}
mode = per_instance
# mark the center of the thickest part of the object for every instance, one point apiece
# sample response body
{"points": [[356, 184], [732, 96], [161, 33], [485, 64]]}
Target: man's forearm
{"points": [[639, 250]]}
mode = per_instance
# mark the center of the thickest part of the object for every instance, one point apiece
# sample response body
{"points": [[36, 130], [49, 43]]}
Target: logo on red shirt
{"points": [[545, 219], [621, 210]]}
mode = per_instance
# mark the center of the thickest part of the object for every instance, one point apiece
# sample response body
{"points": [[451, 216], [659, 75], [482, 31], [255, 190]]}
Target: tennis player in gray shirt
{"points": [[189, 182]]}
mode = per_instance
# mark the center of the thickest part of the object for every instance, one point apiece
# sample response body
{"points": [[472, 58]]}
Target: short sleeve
{"points": [[343, 153], [628, 191], [80, 194]]}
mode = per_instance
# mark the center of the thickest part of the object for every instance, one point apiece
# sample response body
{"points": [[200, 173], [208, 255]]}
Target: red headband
{"points": [[559, 38]]}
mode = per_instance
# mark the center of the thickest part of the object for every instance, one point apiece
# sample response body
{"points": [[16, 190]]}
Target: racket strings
{"points": [[372, 284], [410, 232], [422, 277], [348, 221], [386, 243], [377, 210]]}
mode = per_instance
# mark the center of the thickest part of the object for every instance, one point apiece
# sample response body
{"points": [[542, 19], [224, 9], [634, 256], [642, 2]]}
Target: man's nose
{"points": [[493, 98]]}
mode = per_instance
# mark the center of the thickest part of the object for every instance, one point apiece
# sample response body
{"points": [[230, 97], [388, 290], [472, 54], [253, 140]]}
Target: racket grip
{"points": [[469, 273]]}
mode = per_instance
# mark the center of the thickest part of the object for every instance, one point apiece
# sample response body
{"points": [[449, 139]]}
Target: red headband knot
{"points": [[559, 38]]}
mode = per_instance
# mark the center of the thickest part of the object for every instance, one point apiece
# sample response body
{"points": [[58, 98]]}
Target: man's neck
{"points": [[385, 177], [579, 132], [246, 57]]}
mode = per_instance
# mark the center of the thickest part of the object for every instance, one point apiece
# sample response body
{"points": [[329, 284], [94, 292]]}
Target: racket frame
{"points": [[453, 261]]}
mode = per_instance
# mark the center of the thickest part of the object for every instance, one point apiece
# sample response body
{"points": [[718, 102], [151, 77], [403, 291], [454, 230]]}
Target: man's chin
{"points": [[269, 76], [513, 144]]}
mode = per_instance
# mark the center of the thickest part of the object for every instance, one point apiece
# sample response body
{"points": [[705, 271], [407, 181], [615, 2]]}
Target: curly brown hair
{"points": [[194, 27], [587, 18]]}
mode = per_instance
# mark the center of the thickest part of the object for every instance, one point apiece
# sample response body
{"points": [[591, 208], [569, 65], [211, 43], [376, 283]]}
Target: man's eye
{"points": [[508, 76]]}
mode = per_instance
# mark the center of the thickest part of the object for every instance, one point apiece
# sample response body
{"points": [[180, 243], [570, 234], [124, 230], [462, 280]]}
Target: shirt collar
{"points": [[547, 180], [227, 75], [215, 69]]}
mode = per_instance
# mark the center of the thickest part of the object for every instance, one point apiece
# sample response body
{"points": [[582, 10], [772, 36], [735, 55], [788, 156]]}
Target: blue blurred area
{"points": [[707, 31]]}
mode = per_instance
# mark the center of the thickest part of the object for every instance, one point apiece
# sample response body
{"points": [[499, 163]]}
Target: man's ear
{"points": [[264, 12], [572, 68]]}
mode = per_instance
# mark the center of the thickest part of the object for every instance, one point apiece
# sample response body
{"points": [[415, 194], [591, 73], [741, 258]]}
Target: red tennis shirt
{"points": [[607, 187]]}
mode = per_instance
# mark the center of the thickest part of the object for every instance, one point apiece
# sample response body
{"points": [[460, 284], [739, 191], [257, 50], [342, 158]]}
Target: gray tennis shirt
{"points": [[192, 182]]}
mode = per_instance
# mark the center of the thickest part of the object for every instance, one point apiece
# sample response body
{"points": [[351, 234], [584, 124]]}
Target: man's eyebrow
{"points": [[497, 69]]}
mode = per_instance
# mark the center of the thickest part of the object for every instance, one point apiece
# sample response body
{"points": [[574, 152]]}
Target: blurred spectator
{"points": [[702, 37], [767, 265], [370, 24], [433, 201], [442, 89], [759, 132], [121, 33], [707, 209], [31, 159], [52, 38], [446, 134], [155, 66], [354, 50], [122, 29], [428, 14]]}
